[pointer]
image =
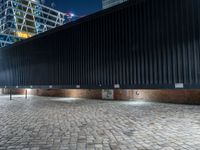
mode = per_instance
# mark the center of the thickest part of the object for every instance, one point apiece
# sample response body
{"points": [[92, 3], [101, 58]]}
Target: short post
{"points": [[26, 92], [10, 94]]}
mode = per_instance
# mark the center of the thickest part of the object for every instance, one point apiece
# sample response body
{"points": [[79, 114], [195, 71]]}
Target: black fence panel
{"points": [[138, 44]]}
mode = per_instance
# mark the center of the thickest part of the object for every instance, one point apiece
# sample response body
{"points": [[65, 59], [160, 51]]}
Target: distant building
{"points": [[21, 19], [110, 3]]}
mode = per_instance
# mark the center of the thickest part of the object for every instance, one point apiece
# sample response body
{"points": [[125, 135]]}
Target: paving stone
{"points": [[62, 124]]}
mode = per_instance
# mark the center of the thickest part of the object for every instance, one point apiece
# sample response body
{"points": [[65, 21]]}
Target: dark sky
{"points": [[78, 7]]}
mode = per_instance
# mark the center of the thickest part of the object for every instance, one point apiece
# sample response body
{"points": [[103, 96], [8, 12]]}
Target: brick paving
{"points": [[61, 123]]}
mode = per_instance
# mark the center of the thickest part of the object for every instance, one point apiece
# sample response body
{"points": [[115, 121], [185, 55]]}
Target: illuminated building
{"points": [[21, 19], [110, 3]]}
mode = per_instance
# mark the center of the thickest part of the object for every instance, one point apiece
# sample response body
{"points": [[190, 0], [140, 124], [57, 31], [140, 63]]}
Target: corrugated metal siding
{"points": [[140, 44]]}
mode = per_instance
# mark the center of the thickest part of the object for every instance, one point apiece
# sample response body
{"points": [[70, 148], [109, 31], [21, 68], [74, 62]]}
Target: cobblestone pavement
{"points": [[61, 123]]}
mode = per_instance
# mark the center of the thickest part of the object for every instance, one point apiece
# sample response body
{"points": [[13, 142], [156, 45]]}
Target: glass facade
{"points": [[21, 19]]}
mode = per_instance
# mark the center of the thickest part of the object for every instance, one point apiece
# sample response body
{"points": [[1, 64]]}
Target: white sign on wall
{"points": [[107, 94], [179, 85]]}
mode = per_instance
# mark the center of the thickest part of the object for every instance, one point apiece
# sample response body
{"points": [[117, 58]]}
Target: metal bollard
{"points": [[26, 92], [10, 94]]}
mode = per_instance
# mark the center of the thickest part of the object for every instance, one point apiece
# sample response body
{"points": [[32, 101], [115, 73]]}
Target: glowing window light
{"points": [[23, 35]]}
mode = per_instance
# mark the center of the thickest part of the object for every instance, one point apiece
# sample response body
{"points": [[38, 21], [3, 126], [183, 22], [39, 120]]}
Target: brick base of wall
{"points": [[90, 94], [167, 96]]}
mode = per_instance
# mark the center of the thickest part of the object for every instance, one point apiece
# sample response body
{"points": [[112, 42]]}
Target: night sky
{"points": [[78, 7]]}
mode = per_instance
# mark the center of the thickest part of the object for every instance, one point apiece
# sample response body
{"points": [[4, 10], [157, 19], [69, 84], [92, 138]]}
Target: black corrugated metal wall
{"points": [[139, 44]]}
